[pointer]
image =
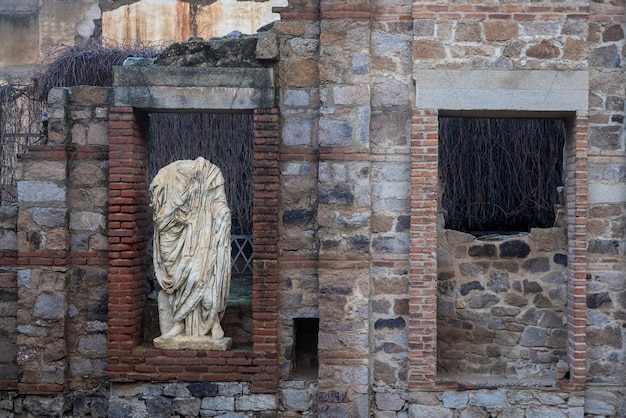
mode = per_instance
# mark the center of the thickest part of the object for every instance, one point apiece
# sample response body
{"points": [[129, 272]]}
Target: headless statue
{"points": [[191, 254]]}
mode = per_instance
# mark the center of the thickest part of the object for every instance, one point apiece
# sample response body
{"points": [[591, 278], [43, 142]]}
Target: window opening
{"points": [[500, 174], [501, 299], [227, 140]]}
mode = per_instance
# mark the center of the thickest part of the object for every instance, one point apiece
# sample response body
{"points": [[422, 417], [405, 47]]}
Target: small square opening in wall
{"points": [[305, 347], [500, 174]]}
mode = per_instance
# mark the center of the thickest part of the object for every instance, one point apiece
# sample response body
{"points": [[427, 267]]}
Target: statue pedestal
{"points": [[181, 342]]}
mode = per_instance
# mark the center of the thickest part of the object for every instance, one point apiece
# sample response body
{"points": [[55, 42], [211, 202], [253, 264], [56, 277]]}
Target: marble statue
{"points": [[191, 254]]}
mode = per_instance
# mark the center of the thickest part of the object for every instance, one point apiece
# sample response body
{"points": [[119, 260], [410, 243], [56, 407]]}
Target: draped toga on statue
{"points": [[191, 248]]}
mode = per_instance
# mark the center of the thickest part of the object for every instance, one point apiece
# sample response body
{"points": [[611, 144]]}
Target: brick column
{"points": [[265, 237], [128, 235], [577, 206], [423, 252]]}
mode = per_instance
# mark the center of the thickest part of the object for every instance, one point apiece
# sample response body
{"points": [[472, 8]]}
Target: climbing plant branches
{"points": [[22, 101], [500, 174], [224, 139]]}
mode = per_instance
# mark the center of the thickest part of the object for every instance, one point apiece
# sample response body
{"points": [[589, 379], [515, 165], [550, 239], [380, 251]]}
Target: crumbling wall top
{"points": [[233, 72]]}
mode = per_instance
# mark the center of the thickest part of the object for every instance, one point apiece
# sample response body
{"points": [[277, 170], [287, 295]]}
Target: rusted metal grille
{"points": [[241, 254]]}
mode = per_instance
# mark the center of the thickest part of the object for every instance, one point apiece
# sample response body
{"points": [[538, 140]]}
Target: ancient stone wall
{"points": [[78, 317], [8, 297], [189, 399], [606, 280], [396, 231], [389, 136], [298, 237], [60, 308], [62, 247], [501, 306], [346, 227], [501, 36]]}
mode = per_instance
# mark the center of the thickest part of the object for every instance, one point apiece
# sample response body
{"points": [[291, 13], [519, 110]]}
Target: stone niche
{"points": [[502, 306], [140, 90]]}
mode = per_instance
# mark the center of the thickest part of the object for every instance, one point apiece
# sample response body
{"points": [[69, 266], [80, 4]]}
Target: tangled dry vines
{"points": [[20, 127], [89, 64], [500, 174], [22, 102], [223, 139]]}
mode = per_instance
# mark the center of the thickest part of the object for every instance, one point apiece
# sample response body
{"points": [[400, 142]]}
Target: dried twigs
{"points": [[22, 102], [500, 174], [224, 139]]}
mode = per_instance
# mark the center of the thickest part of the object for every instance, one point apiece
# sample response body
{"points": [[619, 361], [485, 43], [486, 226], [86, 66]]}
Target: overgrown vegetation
{"points": [[90, 64], [20, 127], [22, 102], [224, 139], [500, 175]]}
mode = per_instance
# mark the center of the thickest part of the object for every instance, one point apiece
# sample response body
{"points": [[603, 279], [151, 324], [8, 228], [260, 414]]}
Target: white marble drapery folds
{"points": [[191, 248]]}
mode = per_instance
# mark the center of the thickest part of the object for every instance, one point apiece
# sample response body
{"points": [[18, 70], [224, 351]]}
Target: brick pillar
{"points": [[265, 236], [577, 205], [423, 252], [128, 236]]}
